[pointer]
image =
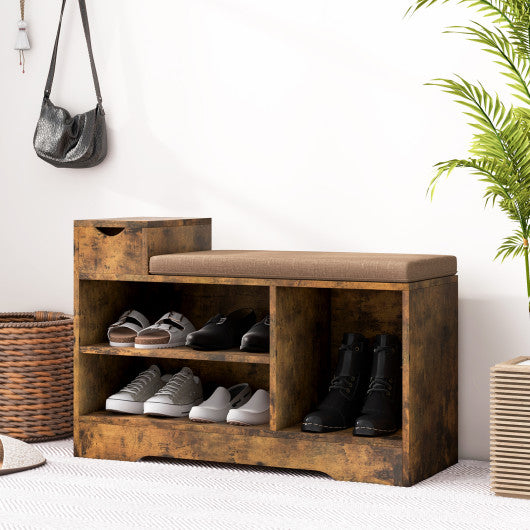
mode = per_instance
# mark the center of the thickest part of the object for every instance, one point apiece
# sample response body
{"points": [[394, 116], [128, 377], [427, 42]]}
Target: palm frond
{"points": [[519, 36], [501, 186], [497, 10], [502, 134], [516, 66], [516, 140], [512, 246], [488, 113], [490, 171]]}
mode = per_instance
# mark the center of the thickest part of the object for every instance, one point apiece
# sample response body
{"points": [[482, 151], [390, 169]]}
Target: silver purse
{"points": [[65, 141]]}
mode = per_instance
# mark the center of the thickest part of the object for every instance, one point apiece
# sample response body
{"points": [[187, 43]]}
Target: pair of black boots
{"points": [[366, 391]]}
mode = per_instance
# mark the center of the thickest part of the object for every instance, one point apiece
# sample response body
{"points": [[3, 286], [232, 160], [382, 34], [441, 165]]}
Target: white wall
{"points": [[295, 124]]}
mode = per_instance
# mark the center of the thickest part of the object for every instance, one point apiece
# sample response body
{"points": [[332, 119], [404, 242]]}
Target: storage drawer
{"points": [[124, 246]]}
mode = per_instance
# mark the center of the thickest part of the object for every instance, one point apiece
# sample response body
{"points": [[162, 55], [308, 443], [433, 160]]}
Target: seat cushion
{"points": [[340, 266]]}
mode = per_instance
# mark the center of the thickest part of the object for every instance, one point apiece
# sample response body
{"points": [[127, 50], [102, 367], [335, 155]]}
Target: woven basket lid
{"points": [[37, 319]]}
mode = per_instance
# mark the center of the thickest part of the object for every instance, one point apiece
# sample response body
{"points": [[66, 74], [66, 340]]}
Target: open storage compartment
{"points": [[309, 325], [197, 302]]}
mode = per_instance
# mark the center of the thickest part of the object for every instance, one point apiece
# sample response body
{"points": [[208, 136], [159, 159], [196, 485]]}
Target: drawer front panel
{"points": [[111, 250]]}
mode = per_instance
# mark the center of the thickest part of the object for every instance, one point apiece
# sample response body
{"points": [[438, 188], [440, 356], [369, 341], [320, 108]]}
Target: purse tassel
{"points": [[22, 43]]}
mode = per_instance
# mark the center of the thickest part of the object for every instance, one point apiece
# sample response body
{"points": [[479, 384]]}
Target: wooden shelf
{"points": [[227, 356], [339, 454], [266, 282], [143, 423], [344, 437]]}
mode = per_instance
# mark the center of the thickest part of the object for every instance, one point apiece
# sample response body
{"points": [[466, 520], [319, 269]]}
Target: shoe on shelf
{"points": [[216, 407], [122, 333], [257, 338], [381, 413], [177, 397], [222, 332], [255, 411], [130, 399], [169, 331], [342, 404]]}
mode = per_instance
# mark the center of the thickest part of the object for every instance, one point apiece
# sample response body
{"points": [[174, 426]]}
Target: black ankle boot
{"points": [[341, 406], [381, 413]]}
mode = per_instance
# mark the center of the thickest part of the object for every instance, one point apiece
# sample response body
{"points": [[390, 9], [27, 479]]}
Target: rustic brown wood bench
{"points": [[159, 264]]}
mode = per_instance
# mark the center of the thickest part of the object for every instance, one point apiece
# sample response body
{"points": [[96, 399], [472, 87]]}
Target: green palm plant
{"points": [[499, 153]]}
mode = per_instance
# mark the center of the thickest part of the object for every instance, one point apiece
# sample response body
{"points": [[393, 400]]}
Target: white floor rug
{"points": [[70, 493]]}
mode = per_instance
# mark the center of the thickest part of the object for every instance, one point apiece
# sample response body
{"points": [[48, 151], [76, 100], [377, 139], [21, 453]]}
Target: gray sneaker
{"points": [[183, 391], [130, 399]]}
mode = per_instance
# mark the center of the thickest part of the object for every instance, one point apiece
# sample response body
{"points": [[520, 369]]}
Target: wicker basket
{"points": [[36, 375]]}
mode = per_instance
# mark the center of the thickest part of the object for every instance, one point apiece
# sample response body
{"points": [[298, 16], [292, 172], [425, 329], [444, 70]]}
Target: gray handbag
{"points": [[63, 140]]}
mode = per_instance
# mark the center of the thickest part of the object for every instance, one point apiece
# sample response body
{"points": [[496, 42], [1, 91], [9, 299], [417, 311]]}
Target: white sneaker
{"points": [[255, 412], [130, 399], [216, 407], [182, 392]]}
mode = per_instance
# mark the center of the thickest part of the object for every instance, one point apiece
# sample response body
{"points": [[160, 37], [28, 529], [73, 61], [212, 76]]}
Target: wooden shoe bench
{"points": [[308, 317]]}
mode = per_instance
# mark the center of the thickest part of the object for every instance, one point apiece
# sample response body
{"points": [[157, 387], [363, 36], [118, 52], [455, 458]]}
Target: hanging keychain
{"points": [[22, 37]]}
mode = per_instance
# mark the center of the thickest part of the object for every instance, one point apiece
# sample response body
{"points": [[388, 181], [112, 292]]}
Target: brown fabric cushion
{"points": [[347, 266]]}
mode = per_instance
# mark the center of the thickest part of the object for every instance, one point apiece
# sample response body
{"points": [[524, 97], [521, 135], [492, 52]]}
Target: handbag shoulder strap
{"points": [[86, 28]]}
